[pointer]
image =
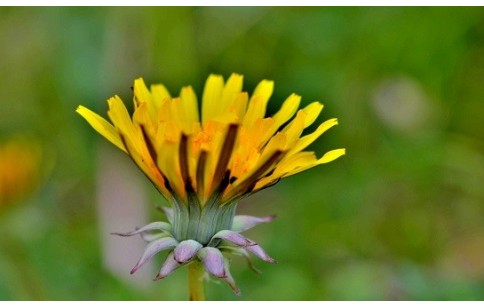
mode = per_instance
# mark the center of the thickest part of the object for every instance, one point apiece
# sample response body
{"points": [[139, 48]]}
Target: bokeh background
{"points": [[400, 217]]}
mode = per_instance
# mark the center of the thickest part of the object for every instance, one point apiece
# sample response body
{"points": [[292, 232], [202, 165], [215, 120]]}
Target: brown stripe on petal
{"points": [[123, 140], [154, 155], [165, 183], [183, 157], [248, 184], [265, 167], [251, 187], [266, 186], [202, 159], [225, 154], [149, 144], [225, 181]]}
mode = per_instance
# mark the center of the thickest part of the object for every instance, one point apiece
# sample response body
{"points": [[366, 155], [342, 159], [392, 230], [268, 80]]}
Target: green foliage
{"points": [[399, 217]]}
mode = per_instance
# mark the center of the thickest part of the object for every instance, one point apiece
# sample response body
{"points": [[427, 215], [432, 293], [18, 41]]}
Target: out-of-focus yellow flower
{"points": [[19, 169], [204, 161], [231, 150]]}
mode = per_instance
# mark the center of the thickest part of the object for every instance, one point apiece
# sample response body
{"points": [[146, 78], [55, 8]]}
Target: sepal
{"points": [[258, 251], [229, 279], [154, 248], [213, 261], [242, 223], [186, 250], [158, 225], [232, 237], [241, 252], [168, 267]]}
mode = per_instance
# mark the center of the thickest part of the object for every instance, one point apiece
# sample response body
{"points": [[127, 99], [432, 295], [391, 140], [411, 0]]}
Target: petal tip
{"points": [[271, 218], [158, 277]]}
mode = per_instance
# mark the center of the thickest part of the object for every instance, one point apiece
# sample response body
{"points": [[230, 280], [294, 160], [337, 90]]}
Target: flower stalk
{"points": [[195, 281]]}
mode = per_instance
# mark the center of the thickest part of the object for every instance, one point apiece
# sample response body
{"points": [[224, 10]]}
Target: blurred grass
{"points": [[400, 217]]}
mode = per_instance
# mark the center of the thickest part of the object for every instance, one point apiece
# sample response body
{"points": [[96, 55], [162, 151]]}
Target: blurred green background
{"points": [[400, 217]]}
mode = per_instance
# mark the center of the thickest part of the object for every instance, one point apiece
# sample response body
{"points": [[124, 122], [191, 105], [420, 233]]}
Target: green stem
{"points": [[195, 281]]}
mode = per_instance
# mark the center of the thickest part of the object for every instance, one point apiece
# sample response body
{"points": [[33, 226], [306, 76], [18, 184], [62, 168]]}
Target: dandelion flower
{"points": [[203, 161]]}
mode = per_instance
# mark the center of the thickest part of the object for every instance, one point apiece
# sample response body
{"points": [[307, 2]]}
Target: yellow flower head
{"points": [[203, 164], [231, 150]]}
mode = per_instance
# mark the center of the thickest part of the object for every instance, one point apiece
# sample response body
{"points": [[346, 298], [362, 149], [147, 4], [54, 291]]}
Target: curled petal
{"points": [[244, 222], [233, 237], [159, 225], [168, 267], [152, 249], [258, 251], [150, 237], [186, 250], [229, 279], [213, 261]]}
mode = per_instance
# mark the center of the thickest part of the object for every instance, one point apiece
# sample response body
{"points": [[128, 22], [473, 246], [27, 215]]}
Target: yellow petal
{"points": [[288, 109], [265, 164], [159, 97], [327, 157], [141, 93], [308, 139], [254, 109], [232, 89], [296, 163], [312, 112], [287, 165], [165, 111], [189, 109], [244, 159], [292, 162], [239, 106], [169, 162], [168, 158], [119, 116], [226, 118], [159, 94], [331, 155], [276, 144], [268, 180], [262, 93], [260, 132], [211, 97], [141, 116], [213, 156], [294, 129], [101, 126]]}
